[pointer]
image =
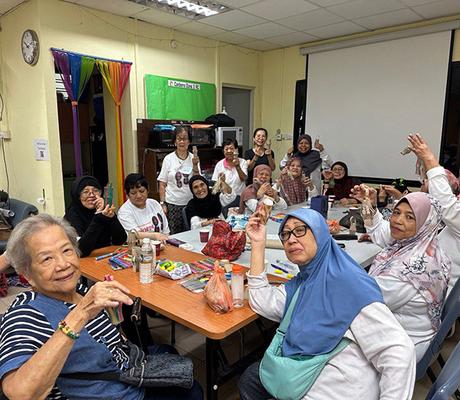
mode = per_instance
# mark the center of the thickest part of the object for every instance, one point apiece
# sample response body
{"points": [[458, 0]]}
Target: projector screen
{"points": [[363, 102]]}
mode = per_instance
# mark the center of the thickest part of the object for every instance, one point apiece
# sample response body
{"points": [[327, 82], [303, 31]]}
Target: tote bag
{"points": [[290, 378]]}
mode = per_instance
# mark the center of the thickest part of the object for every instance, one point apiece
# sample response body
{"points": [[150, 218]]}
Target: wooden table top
{"points": [[169, 298]]}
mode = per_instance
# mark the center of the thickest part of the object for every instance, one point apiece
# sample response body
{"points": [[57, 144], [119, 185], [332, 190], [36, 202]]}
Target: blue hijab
{"points": [[333, 290]]}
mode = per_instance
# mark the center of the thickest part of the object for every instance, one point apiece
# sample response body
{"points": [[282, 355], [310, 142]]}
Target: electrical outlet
{"points": [[5, 135]]}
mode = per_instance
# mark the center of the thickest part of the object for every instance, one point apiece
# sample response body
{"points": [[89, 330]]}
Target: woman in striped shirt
{"points": [[60, 327]]}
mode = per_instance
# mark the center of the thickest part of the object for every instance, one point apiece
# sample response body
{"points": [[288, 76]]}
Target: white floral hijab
{"points": [[419, 259]]}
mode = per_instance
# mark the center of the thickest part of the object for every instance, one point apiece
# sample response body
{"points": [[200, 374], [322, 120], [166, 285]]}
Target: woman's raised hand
{"points": [[263, 189], [99, 204], [256, 230], [108, 211], [327, 174], [392, 191], [359, 193], [102, 295], [318, 145], [422, 151]]}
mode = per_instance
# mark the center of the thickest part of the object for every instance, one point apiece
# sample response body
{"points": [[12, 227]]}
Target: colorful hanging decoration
{"points": [[75, 71], [116, 75]]}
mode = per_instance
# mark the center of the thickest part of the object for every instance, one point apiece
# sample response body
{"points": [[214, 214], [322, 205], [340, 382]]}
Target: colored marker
{"points": [[98, 258], [280, 268]]}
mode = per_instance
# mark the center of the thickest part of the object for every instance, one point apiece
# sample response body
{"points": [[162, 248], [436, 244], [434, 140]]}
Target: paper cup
{"points": [[204, 235], [157, 247]]}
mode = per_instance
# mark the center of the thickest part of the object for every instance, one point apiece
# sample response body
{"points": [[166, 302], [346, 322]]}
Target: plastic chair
{"points": [[448, 380], [450, 313], [185, 219], [21, 210]]}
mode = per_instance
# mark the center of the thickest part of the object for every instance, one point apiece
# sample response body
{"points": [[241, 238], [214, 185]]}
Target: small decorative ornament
{"points": [[30, 47]]}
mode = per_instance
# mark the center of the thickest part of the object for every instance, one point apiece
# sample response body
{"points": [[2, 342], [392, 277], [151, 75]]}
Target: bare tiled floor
{"points": [[193, 345]]}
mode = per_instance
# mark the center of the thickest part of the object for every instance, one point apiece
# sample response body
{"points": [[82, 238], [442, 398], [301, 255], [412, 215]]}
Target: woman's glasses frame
{"points": [[298, 231], [86, 193]]}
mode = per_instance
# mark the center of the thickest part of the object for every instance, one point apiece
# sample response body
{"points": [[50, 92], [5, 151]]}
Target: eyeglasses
{"points": [[181, 139], [338, 169], [87, 192], [298, 231]]}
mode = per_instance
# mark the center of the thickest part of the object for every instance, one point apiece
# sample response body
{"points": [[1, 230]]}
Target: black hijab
{"points": [[309, 160], [342, 187], [209, 207], [77, 214]]}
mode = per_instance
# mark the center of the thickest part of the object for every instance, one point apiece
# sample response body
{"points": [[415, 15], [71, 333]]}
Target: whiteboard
{"points": [[363, 101]]}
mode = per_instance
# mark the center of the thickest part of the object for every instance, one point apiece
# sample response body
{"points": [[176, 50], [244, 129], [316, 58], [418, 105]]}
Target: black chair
{"points": [[185, 219], [21, 210], [450, 313]]}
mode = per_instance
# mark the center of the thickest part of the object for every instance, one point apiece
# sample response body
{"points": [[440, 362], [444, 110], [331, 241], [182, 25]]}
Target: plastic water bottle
{"points": [[145, 265]]}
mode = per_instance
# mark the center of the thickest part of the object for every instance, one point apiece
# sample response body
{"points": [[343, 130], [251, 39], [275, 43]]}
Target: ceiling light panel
{"points": [[186, 8]]}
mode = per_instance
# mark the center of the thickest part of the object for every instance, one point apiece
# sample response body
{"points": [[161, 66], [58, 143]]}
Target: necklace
{"points": [[180, 158]]}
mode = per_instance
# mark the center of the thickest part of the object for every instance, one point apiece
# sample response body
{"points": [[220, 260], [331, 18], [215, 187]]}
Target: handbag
{"points": [[155, 370], [290, 378], [225, 243]]}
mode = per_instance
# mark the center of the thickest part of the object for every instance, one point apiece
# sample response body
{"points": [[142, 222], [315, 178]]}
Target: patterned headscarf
{"points": [[251, 191], [419, 260]]}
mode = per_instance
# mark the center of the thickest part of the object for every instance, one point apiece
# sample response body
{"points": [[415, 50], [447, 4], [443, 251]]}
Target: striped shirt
{"points": [[23, 330]]}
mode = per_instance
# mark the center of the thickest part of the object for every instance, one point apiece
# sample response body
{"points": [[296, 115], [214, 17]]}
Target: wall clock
{"points": [[30, 47]]}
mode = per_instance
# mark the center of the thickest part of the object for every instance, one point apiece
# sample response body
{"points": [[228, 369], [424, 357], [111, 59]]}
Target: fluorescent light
{"points": [[191, 9]]}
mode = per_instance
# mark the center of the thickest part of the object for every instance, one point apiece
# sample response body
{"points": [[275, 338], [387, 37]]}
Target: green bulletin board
{"points": [[171, 98]]}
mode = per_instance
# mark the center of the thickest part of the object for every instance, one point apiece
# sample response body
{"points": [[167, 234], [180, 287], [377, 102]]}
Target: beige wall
{"points": [[456, 49], [280, 71], [29, 92]]}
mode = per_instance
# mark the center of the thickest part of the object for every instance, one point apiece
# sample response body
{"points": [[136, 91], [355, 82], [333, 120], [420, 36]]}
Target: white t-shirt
{"points": [[231, 175], [176, 173], [148, 219]]}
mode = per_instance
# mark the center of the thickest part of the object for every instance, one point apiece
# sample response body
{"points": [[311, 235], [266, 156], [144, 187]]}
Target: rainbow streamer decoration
{"points": [[116, 75], [75, 70]]}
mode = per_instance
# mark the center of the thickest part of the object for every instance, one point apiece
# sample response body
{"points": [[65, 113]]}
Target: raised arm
{"points": [[264, 299]]}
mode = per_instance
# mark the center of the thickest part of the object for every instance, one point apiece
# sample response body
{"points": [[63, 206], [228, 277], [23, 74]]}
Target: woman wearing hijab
{"points": [[341, 184], [98, 226], [338, 311], [260, 187], [95, 222], [294, 186], [412, 270], [444, 187], [204, 208], [312, 159]]}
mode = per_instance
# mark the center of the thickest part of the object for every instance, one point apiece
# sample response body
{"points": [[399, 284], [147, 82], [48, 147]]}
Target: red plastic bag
{"points": [[217, 292], [224, 243]]}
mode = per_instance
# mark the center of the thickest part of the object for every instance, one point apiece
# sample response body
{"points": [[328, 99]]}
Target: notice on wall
{"points": [[41, 150], [179, 99]]}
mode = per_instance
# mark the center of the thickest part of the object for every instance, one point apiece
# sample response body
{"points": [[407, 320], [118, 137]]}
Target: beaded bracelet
{"points": [[65, 329]]}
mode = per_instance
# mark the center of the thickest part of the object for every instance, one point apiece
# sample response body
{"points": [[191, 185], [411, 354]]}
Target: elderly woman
{"points": [[177, 169], [294, 186], [259, 154], [339, 183], [447, 192], [235, 172], [412, 270], [312, 159], [205, 207], [60, 327], [95, 222], [140, 213], [338, 315], [261, 187]]}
